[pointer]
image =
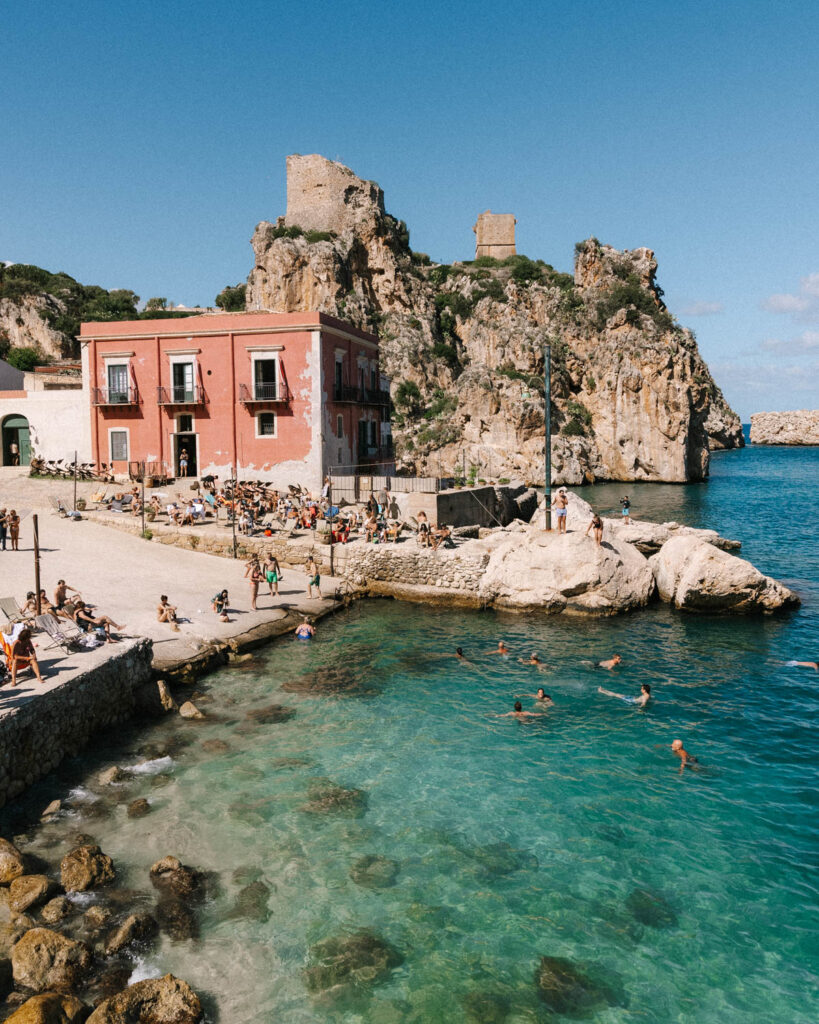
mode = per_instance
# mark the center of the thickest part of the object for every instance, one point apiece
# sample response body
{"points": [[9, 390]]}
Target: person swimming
{"points": [[803, 664], [685, 758], [533, 659], [641, 701], [304, 631], [501, 649], [518, 712], [459, 654], [541, 696], [611, 663]]}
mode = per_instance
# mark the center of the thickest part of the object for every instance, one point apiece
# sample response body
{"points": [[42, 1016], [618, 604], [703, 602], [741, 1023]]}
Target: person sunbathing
{"points": [[21, 655], [87, 621], [166, 612]]}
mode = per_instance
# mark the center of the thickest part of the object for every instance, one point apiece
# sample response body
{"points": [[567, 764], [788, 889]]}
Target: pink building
{"points": [[284, 397]]}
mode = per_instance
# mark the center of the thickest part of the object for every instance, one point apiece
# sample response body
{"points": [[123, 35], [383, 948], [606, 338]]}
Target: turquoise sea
{"points": [[681, 898]]}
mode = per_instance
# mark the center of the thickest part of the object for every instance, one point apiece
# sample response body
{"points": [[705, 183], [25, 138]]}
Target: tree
{"points": [[232, 299], [24, 358], [156, 303]]}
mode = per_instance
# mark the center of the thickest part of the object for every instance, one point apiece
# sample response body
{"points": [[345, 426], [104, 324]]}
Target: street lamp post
{"points": [[547, 414]]}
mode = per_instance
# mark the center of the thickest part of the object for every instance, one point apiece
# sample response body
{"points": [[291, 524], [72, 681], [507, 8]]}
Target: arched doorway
{"points": [[16, 435]]}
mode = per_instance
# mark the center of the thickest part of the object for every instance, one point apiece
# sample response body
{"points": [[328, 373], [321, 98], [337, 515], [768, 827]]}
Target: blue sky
{"points": [[141, 143]]}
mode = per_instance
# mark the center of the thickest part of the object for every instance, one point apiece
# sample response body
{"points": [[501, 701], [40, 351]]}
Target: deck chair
{"points": [[127, 501], [291, 526], [57, 505], [8, 642], [11, 610], [59, 636]]}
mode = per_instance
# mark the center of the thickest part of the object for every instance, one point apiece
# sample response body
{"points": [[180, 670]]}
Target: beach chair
{"points": [[291, 527], [60, 636], [127, 501], [8, 641], [57, 505], [11, 610]]}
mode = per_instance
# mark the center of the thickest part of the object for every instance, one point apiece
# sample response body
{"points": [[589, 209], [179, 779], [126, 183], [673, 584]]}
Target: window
{"points": [[373, 379], [265, 378], [118, 445], [373, 441], [117, 383], [339, 375], [266, 424], [184, 423], [339, 426], [183, 377]]}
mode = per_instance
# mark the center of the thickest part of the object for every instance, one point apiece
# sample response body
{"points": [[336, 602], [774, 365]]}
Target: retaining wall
{"points": [[46, 727]]}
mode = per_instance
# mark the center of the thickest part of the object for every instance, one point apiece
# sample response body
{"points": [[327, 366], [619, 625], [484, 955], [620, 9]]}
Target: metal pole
{"points": [[75, 482], [330, 500], [233, 504], [142, 474], [547, 381], [37, 563]]}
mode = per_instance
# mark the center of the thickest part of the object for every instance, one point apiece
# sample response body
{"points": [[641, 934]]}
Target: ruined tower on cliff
{"points": [[495, 235]]}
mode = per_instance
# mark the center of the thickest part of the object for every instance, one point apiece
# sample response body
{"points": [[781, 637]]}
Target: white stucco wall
{"points": [[59, 422]]}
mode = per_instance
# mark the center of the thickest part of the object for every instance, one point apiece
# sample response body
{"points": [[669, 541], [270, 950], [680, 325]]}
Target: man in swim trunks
{"points": [[61, 593], [561, 507], [640, 702], [685, 758], [541, 696], [519, 712], [611, 663], [313, 577]]}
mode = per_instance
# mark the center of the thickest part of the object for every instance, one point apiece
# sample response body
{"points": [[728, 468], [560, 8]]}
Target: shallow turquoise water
{"points": [[587, 799]]}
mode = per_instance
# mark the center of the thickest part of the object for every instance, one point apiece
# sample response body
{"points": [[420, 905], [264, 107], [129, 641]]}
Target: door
{"points": [[265, 378], [183, 382], [362, 439], [185, 443], [16, 432]]}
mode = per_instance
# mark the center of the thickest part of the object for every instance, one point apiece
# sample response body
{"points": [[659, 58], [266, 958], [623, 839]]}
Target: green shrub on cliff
{"points": [[624, 294], [25, 358], [232, 299]]}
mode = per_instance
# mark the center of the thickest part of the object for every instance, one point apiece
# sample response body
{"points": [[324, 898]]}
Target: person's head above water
{"points": [[501, 645], [534, 657], [459, 651], [677, 745], [541, 693], [616, 659], [645, 688], [518, 706]]}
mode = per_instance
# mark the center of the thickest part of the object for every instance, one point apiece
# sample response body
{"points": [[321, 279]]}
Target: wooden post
{"points": [[547, 396], [37, 563]]}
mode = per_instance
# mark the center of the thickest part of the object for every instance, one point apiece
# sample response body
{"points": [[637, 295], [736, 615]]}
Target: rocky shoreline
{"points": [[800, 427]]}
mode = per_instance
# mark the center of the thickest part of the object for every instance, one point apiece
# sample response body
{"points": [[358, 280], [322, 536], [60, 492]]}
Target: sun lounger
{"points": [[60, 636], [11, 610]]}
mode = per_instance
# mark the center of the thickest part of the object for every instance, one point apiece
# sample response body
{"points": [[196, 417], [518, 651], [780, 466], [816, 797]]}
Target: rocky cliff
{"points": [[799, 427], [464, 344], [24, 324]]}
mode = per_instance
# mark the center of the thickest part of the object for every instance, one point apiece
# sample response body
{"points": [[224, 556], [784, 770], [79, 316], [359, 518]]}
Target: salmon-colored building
{"points": [[283, 397]]}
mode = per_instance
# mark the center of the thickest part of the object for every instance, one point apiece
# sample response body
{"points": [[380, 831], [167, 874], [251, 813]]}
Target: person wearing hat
{"points": [[561, 505]]}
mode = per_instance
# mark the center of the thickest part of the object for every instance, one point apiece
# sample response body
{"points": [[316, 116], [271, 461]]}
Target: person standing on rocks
{"points": [[596, 524], [13, 521], [256, 577], [272, 573], [561, 506], [313, 577], [625, 507]]}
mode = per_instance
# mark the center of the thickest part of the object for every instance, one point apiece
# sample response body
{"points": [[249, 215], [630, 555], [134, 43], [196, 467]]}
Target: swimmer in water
{"points": [[640, 702], [500, 649], [541, 696], [459, 654], [685, 758], [304, 631], [803, 664], [611, 663], [518, 712], [533, 659]]}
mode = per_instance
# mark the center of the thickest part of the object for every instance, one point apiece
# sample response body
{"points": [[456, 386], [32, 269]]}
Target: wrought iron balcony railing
{"points": [[360, 396], [250, 393], [192, 394], [114, 396]]}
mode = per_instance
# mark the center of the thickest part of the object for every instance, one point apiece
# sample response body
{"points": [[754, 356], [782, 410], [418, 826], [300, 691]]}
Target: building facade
{"points": [[43, 412], [282, 397]]}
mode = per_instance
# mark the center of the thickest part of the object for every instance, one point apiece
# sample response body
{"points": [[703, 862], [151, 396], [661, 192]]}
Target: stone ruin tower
{"points": [[495, 235]]}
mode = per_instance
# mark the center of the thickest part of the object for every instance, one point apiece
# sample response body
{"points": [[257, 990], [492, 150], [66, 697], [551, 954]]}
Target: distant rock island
{"points": [[801, 426]]}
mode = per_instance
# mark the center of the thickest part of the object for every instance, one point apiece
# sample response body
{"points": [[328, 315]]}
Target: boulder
{"points": [[176, 919], [154, 1001], [28, 891], [576, 990], [135, 928], [165, 696], [699, 577], [355, 959], [49, 1008], [53, 808], [190, 710], [112, 775], [97, 917], [215, 747], [139, 808], [43, 959], [55, 910], [11, 862], [173, 877], [86, 867]]}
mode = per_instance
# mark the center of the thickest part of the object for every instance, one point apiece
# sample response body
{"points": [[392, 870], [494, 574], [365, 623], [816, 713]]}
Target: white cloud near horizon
{"points": [[802, 305], [703, 309], [807, 341]]}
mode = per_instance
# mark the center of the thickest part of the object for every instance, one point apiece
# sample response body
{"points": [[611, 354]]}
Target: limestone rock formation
{"points": [[165, 1000], [135, 928], [357, 959], [696, 576], [49, 1008], [23, 323], [28, 891], [797, 428], [85, 868], [463, 344], [11, 862], [44, 959]]}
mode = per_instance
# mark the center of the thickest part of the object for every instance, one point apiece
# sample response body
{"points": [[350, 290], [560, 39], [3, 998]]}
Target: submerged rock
{"points": [[11, 862], [651, 909], [575, 991], [356, 959], [28, 891], [155, 1001], [86, 867], [271, 714], [139, 808], [290, 762], [215, 746], [698, 577], [374, 872], [502, 858], [328, 798], [329, 682], [50, 1008], [176, 919], [251, 902], [135, 928], [176, 878], [485, 1007], [44, 959]]}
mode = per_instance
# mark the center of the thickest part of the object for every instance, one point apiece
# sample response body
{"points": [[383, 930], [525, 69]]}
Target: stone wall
{"points": [[38, 733], [407, 565]]}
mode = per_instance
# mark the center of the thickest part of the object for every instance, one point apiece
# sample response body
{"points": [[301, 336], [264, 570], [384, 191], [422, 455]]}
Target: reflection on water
{"points": [[380, 822]]}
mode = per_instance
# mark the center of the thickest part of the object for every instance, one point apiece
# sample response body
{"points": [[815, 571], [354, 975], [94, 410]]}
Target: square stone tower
{"points": [[495, 235]]}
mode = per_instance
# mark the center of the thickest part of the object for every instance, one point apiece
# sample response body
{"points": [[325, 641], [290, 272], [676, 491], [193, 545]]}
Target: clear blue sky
{"points": [[141, 143]]}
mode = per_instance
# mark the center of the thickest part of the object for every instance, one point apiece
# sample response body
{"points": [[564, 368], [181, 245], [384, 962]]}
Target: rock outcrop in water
{"points": [[463, 344], [800, 427]]}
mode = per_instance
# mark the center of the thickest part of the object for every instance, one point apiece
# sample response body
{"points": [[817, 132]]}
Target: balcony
{"points": [[376, 456], [114, 396], [191, 394], [361, 396], [252, 393]]}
